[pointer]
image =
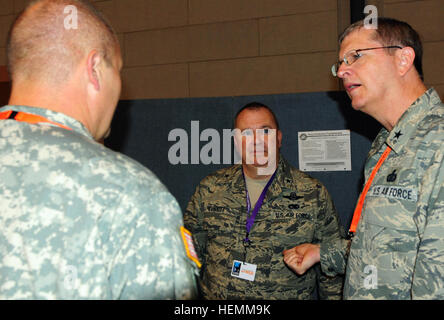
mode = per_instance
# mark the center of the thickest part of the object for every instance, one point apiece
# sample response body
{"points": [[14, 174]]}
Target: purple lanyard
{"points": [[252, 216]]}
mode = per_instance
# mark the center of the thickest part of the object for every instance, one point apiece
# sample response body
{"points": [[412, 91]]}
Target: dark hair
{"points": [[255, 106], [392, 32]]}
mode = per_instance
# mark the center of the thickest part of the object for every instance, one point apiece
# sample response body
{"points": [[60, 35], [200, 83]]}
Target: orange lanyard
{"points": [[358, 209], [29, 118]]}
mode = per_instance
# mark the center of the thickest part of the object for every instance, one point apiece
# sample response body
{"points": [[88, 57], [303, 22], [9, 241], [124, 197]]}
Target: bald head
{"points": [[45, 45]]}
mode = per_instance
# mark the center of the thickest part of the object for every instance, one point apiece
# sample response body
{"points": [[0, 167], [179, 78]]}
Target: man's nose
{"points": [[259, 136], [343, 70]]}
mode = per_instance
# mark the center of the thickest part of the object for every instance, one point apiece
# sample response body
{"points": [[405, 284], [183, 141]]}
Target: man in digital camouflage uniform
{"points": [[397, 251], [295, 209], [77, 220]]}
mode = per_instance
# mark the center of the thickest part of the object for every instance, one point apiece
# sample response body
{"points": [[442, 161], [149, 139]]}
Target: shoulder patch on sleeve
{"points": [[189, 245]]}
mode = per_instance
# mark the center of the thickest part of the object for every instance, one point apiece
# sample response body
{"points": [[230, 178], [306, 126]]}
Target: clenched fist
{"points": [[302, 257]]}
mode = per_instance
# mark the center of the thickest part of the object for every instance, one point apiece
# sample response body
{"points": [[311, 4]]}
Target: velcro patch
{"points": [[189, 245], [394, 192]]}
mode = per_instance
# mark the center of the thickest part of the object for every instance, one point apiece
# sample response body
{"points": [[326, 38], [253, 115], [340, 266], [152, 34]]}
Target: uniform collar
{"points": [[53, 116], [406, 125]]}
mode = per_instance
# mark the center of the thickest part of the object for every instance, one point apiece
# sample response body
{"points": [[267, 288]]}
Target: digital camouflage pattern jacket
{"points": [[79, 221], [297, 209], [398, 249]]}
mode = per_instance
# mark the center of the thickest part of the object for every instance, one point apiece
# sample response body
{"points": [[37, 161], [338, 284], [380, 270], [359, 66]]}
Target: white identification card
{"points": [[243, 270]]}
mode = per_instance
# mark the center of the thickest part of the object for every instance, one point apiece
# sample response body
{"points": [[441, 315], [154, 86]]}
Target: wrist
{"points": [[317, 252]]}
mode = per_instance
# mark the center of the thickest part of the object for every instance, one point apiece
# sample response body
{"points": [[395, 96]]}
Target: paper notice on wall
{"points": [[324, 150]]}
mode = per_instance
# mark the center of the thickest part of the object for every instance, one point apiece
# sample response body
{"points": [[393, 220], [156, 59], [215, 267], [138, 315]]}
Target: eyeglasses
{"points": [[353, 55]]}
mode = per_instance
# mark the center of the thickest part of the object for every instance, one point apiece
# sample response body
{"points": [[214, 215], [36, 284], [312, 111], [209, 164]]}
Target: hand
{"points": [[302, 257]]}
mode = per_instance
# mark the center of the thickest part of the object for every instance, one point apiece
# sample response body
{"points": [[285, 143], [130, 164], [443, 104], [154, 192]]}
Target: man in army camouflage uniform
{"points": [[242, 260], [77, 220], [397, 251]]}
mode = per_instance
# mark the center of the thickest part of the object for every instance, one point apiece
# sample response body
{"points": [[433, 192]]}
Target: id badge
{"points": [[243, 270]]}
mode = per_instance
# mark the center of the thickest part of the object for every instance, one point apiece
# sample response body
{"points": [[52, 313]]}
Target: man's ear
{"points": [[279, 138], [236, 136], [237, 139], [93, 62], [405, 57]]}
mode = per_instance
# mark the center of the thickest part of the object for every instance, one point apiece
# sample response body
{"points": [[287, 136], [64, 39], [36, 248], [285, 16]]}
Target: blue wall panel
{"points": [[140, 130]]}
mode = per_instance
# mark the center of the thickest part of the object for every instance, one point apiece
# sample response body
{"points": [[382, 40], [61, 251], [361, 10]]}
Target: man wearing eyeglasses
{"points": [[243, 218], [397, 231]]}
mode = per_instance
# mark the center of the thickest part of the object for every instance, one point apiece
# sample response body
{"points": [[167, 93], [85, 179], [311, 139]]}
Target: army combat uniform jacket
{"points": [[398, 249], [79, 221], [297, 209]]}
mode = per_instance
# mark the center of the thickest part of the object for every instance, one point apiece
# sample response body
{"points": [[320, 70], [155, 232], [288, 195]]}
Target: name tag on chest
{"points": [[394, 192], [243, 270]]}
